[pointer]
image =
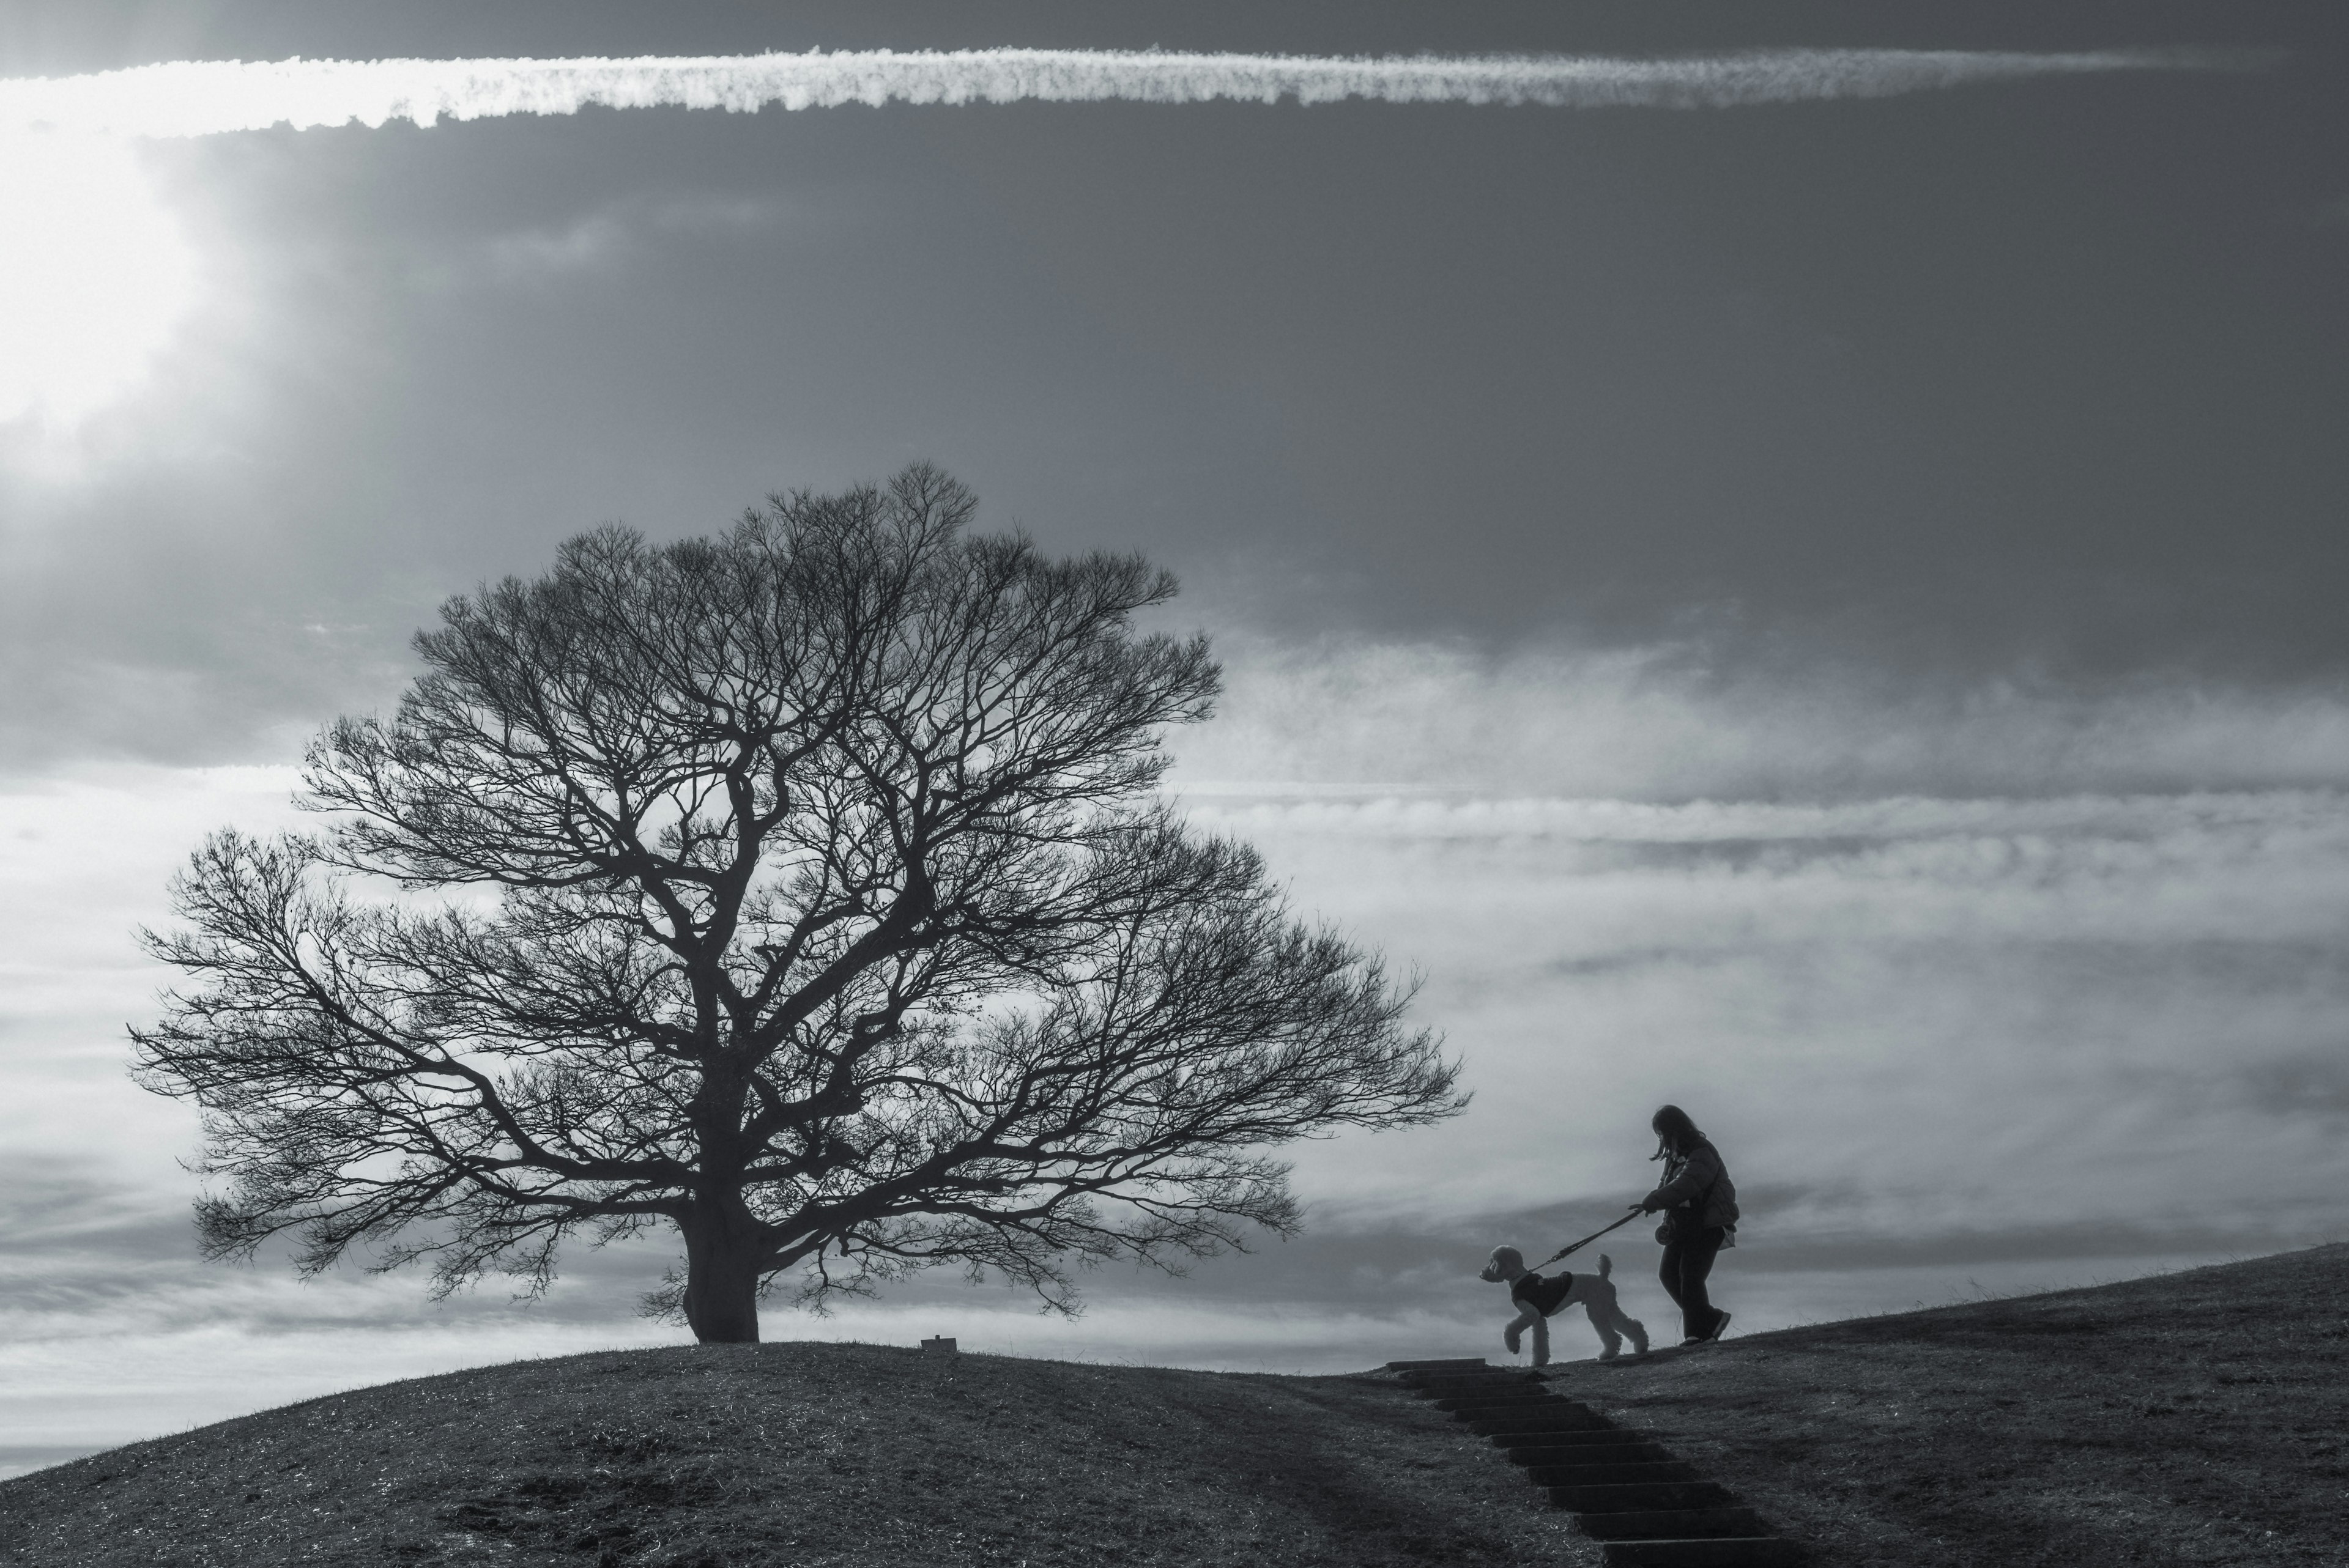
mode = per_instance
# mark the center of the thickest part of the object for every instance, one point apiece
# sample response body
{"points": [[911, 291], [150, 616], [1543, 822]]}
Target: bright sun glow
{"points": [[94, 274]]}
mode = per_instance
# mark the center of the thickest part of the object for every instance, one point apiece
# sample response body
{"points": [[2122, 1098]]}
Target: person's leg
{"points": [[1699, 1316], [1669, 1271]]}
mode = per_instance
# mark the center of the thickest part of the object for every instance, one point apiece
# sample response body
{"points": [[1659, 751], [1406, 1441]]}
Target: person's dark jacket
{"points": [[1696, 1192]]}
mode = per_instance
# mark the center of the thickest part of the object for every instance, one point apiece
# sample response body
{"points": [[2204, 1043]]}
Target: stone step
{"points": [[1515, 1405], [1673, 1524], [1499, 1398], [1445, 1388], [1643, 1496], [1557, 1417], [1604, 1432], [1705, 1552], [1646, 1509], [1613, 1474], [1480, 1369], [1518, 1410], [1487, 1377], [1619, 1454]]}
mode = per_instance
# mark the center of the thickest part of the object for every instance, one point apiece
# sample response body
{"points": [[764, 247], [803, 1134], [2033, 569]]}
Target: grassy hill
{"points": [[832, 1455], [2190, 1418], [2194, 1417]]}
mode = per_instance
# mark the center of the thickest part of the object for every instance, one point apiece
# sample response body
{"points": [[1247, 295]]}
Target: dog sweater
{"points": [[1544, 1296]]}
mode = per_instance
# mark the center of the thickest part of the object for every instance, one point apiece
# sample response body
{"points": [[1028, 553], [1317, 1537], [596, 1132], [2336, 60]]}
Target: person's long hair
{"points": [[1675, 1132]]}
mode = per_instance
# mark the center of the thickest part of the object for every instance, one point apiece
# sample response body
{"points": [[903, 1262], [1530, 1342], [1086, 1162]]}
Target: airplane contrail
{"points": [[203, 97]]}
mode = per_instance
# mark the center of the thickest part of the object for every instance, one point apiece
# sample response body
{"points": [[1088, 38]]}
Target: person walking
{"points": [[1699, 1203]]}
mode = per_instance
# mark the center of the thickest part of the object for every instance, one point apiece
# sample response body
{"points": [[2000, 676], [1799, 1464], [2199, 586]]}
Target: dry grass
{"points": [[845, 1456], [2194, 1417]]}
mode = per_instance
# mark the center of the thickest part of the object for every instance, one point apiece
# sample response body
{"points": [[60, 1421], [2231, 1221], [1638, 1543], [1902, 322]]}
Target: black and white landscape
{"points": [[1785, 558]]}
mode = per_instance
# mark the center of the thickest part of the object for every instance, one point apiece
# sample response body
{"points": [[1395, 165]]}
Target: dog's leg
{"points": [[1519, 1326], [1541, 1339], [1602, 1318], [1629, 1326]]}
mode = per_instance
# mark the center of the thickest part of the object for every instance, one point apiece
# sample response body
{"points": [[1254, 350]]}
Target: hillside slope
{"points": [[2199, 1418], [839, 1455], [2194, 1417]]}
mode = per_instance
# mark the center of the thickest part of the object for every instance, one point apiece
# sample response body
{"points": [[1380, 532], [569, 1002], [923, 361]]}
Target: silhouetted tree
{"points": [[806, 888]]}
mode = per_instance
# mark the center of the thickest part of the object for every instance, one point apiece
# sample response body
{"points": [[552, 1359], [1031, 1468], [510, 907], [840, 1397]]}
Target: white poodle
{"points": [[1540, 1299]]}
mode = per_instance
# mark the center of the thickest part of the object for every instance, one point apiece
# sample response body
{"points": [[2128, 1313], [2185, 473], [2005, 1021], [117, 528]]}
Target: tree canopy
{"points": [[807, 888]]}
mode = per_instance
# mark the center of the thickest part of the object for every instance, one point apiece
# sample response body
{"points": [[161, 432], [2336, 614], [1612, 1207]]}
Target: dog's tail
{"points": [[1606, 1265]]}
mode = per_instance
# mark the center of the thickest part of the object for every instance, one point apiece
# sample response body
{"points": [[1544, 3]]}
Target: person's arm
{"points": [[1701, 1170]]}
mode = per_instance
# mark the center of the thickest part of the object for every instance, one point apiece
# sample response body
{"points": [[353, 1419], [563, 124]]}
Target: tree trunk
{"points": [[722, 1251]]}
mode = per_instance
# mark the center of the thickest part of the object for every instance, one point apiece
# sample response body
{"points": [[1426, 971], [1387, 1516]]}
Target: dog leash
{"points": [[1578, 1246]]}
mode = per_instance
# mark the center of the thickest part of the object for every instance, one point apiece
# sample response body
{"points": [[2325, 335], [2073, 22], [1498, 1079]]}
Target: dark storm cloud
{"points": [[406, 388], [2034, 377]]}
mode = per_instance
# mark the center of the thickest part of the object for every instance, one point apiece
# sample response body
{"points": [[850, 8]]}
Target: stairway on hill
{"points": [[1650, 1510]]}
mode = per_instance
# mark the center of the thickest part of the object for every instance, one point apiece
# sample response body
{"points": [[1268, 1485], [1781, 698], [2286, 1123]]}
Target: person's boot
{"points": [[1720, 1325]]}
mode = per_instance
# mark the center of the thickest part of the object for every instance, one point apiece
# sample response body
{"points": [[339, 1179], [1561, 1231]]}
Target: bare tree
{"points": [[806, 888]]}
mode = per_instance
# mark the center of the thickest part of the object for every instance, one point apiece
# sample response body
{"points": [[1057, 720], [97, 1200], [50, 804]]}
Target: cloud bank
{"points": [[202, 98], [1948, 1043], [2068, 1017], [1670, 723]]}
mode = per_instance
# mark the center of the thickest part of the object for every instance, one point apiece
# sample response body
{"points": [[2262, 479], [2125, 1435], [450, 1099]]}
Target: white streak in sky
{"points": [[200, 97]]}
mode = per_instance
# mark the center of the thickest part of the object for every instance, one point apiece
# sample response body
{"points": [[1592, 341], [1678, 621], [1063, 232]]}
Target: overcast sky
{"points": [[1826, 611]]}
